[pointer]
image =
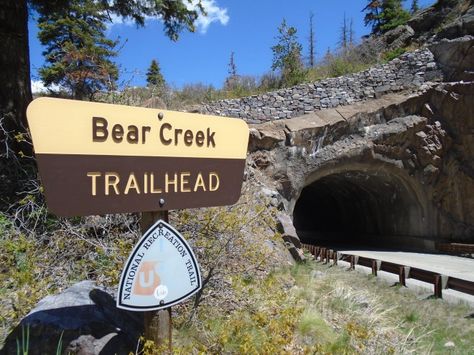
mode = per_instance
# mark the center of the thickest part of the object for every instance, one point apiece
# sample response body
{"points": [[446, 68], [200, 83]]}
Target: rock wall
{"points": [[408, 72]]}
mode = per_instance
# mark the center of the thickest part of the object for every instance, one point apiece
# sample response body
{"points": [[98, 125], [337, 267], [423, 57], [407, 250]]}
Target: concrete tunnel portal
{"points": [[360, 205]]}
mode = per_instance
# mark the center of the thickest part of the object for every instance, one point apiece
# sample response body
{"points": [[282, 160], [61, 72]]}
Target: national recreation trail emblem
{"points": [[160, 272]]}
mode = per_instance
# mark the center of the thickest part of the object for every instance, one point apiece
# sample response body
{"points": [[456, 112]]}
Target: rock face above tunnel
{"points": [[399, 166]]}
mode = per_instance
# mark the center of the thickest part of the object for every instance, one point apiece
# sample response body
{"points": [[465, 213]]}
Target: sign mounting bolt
{"points": [[160, 116], [162, 202]]}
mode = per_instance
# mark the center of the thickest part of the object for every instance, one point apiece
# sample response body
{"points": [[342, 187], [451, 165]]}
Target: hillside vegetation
{"points": [[256, 299]]}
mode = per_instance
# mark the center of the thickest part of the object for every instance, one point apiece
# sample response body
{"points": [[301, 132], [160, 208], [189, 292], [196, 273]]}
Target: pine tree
{"points": [[414, 6], [385, 15], [154, 76], [393, 15], [77, 52], [311, 41], [372, 16], [287, 56]]}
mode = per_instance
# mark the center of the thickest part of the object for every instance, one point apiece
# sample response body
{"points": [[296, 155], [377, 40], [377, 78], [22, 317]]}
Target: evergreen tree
{"points": [[393, 15], [372, 16], [154, 76], [414, 6], [312, 61], [77, 52], [385, 15], [287, 56]]}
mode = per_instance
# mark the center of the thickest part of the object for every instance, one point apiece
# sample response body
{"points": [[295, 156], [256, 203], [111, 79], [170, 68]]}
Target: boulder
{"points": [[399, 37], [431, 17], [296, 253], [455, 58], [461, 27], [426, 19], [287, 230], [83, 320], [266, 136]]}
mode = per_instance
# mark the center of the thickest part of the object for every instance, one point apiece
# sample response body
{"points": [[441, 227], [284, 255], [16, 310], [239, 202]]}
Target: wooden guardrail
{"points": [[456, 248], [404, 272]]}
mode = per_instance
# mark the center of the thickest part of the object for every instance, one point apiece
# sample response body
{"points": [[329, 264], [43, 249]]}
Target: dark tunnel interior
{"points": [[356, 206]]}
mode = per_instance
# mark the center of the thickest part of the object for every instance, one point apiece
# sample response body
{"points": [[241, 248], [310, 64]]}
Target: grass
{"points": [[379, 311], [313, 308], [254, 303]]}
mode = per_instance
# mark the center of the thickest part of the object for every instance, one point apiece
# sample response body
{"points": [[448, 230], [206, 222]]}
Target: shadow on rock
{"points": [[82, 320]]}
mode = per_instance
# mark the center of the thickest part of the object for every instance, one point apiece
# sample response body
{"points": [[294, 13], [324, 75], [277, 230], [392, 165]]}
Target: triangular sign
{"points": [[160, 272]]}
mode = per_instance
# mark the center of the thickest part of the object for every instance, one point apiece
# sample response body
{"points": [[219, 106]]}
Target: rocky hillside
{"points": [[387, 151]]}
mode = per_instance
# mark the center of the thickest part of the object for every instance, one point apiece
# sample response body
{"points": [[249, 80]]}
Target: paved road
{"points": [[448, 265]]}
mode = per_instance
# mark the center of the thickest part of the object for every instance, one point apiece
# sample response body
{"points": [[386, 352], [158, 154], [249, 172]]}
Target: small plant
{"points": [[411, 317], [23, 348], [390, 55], [60, 344]]}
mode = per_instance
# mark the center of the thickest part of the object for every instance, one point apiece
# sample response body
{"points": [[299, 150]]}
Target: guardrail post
{"points": [[401, 276], [328, 256], [374, 267], [438, 287]]}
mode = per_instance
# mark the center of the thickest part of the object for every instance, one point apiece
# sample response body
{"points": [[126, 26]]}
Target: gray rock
{"points": [[287, 230], [296, 253], [86, 318], [456, 58], [399, 37]]}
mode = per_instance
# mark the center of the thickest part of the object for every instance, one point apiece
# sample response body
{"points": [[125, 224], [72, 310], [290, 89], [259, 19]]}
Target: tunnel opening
{"points": [[369, 207]]}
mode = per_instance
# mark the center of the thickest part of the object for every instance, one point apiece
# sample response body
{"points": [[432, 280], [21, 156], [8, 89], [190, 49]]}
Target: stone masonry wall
{"points": [[407, 72]]}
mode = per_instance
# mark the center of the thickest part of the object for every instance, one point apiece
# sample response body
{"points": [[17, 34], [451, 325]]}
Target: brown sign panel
{"points": [[99, 158]]}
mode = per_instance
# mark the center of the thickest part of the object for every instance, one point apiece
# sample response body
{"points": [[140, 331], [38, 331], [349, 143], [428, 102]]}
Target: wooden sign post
{"points": [[158, 324]]}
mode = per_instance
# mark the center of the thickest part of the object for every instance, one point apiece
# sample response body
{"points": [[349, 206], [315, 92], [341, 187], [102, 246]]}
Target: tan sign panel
{"points": [[98, 158]]}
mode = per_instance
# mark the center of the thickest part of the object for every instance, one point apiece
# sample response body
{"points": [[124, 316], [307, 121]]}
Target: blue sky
{"points": [[246, 27]]}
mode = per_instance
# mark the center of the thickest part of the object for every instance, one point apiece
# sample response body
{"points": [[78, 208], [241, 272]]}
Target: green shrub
{"points": [[390, 55]]}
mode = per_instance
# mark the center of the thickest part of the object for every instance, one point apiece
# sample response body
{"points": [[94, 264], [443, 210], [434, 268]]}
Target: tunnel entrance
{"points": [[358, 206]]}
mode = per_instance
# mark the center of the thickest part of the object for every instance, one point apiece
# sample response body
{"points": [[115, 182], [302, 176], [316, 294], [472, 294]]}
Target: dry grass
{"points": [[383, 319]]}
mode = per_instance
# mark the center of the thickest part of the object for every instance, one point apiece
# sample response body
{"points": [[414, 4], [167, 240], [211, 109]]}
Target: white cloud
{"points": [[37, 87], [214, 13]]}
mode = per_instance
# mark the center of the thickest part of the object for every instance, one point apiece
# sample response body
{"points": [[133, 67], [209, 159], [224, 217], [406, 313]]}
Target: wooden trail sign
{"points": [[96, 158]]}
